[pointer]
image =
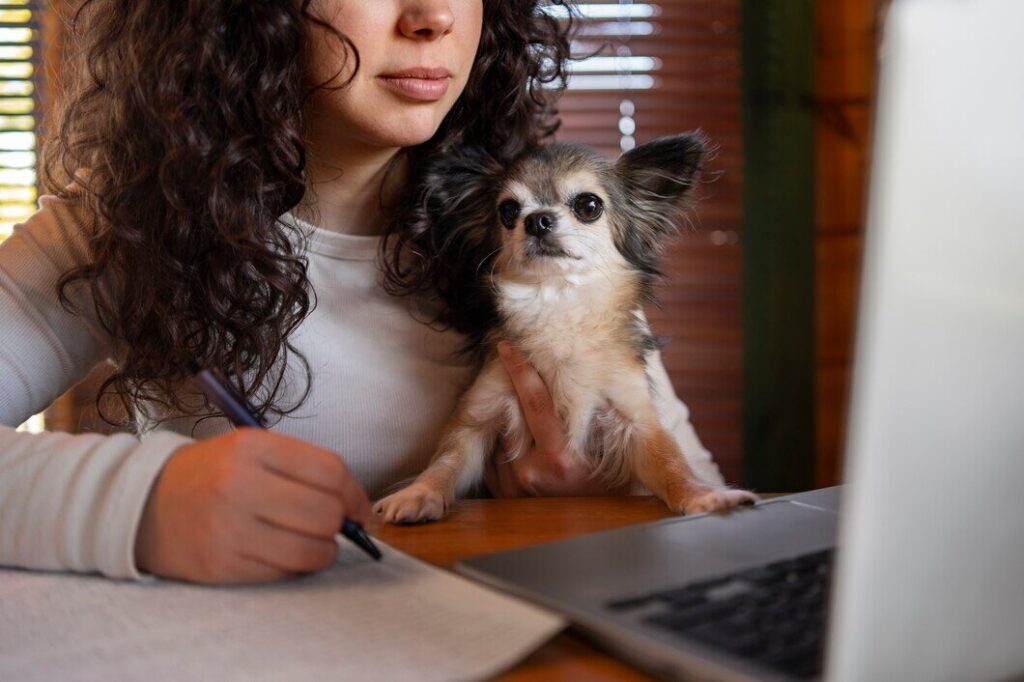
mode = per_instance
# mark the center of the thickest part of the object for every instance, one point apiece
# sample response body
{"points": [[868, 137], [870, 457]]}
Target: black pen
{"points": [[242, 413]]}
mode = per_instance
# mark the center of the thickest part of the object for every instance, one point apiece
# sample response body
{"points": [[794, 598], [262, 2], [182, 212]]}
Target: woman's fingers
{"points": [[535, 400], [297, 507], [285, 550], [500, 477], [547, 467], [319, 469], [556, 475], [534, 474], [247, 570]]}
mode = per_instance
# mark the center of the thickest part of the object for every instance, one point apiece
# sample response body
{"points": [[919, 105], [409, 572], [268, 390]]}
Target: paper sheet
{"points": [[397, 619]]}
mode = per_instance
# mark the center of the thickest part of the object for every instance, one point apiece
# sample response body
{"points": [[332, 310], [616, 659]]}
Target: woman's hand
{"points": [[247, 506], [545, 468]]}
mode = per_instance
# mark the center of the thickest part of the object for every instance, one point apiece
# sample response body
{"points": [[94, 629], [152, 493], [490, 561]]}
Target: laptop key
{"points": [[801, 659], [742, 640], [684, 598], [774, 613], [682, 620], [630, 603], [761, 575]]}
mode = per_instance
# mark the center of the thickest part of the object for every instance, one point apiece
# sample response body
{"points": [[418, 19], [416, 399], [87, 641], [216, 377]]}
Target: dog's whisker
{"points": [[484, 259]]}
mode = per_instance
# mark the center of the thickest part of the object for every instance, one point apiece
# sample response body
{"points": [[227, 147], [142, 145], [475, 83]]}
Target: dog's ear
{"points": [[460, 184], [658, 176], [454, 211], [452, 229], [656, 179]]}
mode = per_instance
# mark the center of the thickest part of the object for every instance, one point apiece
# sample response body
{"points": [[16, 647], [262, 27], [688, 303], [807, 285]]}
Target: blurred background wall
{"points": [[759, 303]]}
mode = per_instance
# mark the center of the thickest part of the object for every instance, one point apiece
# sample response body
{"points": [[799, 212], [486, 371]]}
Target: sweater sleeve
{"points": [[67, 502], [675, 417]]}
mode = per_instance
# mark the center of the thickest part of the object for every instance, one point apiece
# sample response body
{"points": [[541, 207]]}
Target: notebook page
{"points": [[397, 619]]}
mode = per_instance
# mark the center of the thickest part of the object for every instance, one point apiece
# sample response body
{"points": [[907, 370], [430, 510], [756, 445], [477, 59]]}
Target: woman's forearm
{"points": [[73, 502]]}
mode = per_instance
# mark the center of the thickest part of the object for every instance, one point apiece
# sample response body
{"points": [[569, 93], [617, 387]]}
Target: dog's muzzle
{"points": [[540, 224]]}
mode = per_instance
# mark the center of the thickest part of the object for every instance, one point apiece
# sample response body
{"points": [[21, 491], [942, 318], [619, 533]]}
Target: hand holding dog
{"points": [[545, 469]]}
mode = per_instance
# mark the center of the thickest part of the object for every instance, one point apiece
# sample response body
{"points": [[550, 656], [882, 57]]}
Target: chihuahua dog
{"points": [[576, 240]]}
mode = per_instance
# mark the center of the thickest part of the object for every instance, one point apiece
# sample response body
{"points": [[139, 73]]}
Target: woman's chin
{"points": [[406, 129], [411, 138]]}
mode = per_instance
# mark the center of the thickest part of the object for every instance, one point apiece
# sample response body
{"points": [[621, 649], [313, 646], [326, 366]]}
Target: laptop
{"points": [[914, 568]]}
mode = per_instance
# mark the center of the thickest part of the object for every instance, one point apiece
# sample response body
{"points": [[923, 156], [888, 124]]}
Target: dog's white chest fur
{"points": [[555, 320], [566, 329]]}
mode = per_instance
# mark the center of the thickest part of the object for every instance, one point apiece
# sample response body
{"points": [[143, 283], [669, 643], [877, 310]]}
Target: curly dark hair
{"points": [[182, 129]]}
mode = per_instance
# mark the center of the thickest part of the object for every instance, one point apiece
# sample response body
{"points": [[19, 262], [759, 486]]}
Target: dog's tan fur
{"points": [[577, 320]]}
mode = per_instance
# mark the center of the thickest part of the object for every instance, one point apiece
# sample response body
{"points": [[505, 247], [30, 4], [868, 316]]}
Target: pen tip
{"points": [[357, 534]]}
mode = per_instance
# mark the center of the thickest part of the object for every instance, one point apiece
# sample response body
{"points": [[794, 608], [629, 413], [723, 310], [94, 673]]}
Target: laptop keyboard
{"points": [[774, 613]]}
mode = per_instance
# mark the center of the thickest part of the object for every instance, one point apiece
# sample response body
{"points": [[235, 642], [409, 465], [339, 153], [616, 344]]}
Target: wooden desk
{"points": [[480, 526]]}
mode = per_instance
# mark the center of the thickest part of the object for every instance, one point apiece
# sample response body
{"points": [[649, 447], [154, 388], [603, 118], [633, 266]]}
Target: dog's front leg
{"points": [[458, 462], [659, 464]]}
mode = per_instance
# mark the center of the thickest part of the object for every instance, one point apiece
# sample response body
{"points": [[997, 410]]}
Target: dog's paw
{"points": [[701, 500], [414, 504]]}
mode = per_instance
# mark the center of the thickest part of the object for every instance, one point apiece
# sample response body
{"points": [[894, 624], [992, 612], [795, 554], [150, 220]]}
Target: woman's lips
{"points": [[422, 89]]}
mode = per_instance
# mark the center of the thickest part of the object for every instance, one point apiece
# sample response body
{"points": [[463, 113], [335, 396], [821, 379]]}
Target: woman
{"points": [[229, 182]]}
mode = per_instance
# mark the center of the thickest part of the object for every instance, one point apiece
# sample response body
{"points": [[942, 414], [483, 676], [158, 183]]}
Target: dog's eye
{"points": [[588, 207], [508, 210]]}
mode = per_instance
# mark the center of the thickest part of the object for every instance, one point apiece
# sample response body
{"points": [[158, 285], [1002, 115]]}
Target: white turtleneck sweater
{"points": [[383, 385]]}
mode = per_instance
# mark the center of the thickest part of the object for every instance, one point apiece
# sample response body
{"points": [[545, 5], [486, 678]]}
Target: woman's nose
{"points": [[426, 19]]}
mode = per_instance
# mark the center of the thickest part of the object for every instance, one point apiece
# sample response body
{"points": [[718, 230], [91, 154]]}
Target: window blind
{"points": [[19, 106], [660, 68], [20, 58]]}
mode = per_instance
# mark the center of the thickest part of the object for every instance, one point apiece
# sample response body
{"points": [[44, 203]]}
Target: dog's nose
{"points": [[540, 223]]}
